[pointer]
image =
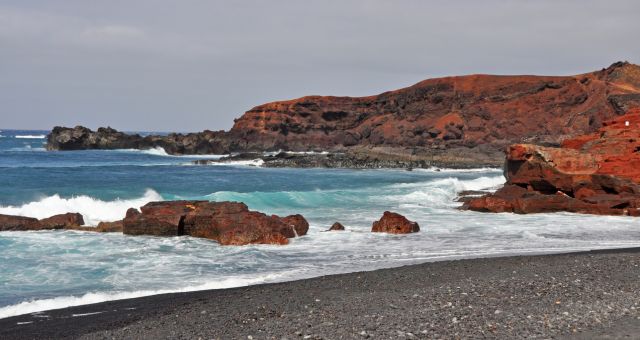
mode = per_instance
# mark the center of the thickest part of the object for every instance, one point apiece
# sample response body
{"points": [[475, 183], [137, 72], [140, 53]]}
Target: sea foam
{"points": [[30, 136], [93, 210]]}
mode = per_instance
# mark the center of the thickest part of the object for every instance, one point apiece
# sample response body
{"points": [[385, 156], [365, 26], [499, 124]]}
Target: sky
{"points": [[190, 65]]}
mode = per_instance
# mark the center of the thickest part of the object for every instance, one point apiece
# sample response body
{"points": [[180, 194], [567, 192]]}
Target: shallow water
{"points": [[53, 269]]}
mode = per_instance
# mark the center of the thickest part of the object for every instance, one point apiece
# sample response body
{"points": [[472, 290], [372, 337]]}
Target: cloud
{"points": [[139, 64]]}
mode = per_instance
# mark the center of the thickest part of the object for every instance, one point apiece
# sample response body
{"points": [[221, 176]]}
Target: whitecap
{"points": [[40, 305], [31, 136], [93, 210]]}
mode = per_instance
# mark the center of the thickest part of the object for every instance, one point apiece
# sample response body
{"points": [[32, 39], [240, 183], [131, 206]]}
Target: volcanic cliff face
{"points": [[455, 121], [447, 112], [597, 173]]}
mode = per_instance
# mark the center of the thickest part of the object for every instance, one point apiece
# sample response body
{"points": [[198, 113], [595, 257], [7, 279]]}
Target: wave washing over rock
{"points": [[455, 121]]}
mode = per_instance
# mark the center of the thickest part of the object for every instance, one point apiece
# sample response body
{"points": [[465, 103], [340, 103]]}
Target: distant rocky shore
{"points": [[461, 122]]}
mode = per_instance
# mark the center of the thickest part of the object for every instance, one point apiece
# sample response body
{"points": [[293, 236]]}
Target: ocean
{"points": [[42, 270]]}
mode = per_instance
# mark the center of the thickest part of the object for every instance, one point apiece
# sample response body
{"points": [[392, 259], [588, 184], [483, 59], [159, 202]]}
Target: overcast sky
{"points": [[188, 65]]}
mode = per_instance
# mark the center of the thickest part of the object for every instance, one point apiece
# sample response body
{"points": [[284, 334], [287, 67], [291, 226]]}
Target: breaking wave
{"points": [[93, 210]]}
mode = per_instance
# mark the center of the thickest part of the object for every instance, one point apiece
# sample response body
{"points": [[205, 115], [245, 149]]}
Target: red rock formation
{"points": [[597, 173], [62, 221], [229, 223], [394, 223], [336, 227], [109, 227], [447, 112], [10, 223]]}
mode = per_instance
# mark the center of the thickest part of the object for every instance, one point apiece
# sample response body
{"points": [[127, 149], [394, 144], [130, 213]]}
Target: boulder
{"points": [[109, 227], [18, 223], [62, 221], [228, 223], [336, 227], [394, 223], [595, 174]]}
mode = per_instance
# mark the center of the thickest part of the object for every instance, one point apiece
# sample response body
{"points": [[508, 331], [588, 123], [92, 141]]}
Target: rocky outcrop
{"points": [[21, 223], [82, 138], [62, 221], [394, 223], [451, 120], [228, 223], [336, 227], [18, 223], [597, 173]]}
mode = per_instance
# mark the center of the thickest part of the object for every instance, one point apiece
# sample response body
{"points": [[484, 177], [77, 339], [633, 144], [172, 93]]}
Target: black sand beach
{"points": [[580, 295]]}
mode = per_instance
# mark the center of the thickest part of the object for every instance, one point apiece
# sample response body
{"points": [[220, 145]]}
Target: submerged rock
{"points": [[394, 223], [336, 227], [595, 174], [229, 223]]}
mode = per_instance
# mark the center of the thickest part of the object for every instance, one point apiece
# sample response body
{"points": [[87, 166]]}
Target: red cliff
{"points": [[445, 113], [597, 173]]}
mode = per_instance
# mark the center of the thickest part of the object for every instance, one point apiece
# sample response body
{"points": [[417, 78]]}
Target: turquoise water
{"points": [[53, 269]]}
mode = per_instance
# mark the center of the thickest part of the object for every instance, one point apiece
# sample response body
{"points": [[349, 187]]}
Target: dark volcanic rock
{"points": [[596, 174], [82, 138], [336, 227], [394, 223], [229, 223]]}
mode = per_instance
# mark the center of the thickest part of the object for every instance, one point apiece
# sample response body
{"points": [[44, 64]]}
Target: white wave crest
{"points": [[254, 162], [160, 151], [93, 210], [34, 306], [31, 136]]}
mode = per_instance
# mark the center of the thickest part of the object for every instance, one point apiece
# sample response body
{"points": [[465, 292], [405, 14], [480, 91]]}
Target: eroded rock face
{"points": [[482, 113], [62, 221], [18, 223], [229, 223], [597, 173], [394, 223], [447, 112], [21, 223]]}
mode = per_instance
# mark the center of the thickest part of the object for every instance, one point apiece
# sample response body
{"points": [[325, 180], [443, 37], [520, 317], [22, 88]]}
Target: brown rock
{"points": [[336, 227], [229, 223], [62, 221], [110, 227], [18, 223], [394, 223]]}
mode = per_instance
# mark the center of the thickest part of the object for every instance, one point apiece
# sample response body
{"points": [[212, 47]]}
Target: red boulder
{"points": [[229, 223], [394, 223]]}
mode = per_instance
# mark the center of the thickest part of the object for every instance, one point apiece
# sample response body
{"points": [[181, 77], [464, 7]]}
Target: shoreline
{"points": [[530, 295]]}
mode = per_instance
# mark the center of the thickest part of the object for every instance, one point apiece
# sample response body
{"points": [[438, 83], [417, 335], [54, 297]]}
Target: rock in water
{"points": [[394, 223], [336, 227], [18, 223], [68, 220], [229, 223], [595, 174]]}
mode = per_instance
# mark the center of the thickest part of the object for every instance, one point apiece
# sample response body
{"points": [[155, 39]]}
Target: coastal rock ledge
{"points": [[228, 223], [597, 173]]}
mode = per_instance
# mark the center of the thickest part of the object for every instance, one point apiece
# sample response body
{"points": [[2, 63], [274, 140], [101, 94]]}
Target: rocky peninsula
{"points": [[463, 121]]}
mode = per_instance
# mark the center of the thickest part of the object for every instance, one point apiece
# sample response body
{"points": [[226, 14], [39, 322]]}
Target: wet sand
{"points": [[579, 295]]}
